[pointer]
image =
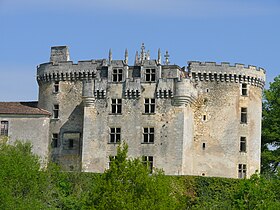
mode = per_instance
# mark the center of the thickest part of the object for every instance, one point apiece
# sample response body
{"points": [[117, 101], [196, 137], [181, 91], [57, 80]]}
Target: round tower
{"points": [[60, 92], [227, 139]]}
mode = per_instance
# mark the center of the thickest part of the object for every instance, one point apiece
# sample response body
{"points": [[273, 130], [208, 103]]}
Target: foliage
{"points": [[71, 189], [214, 193], [256, 193], [21, 183], [127, 184], [271, 128]]}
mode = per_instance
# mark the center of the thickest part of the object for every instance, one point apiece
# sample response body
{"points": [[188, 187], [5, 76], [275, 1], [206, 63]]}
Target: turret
{"points": [[185, 92], [227, 118]]}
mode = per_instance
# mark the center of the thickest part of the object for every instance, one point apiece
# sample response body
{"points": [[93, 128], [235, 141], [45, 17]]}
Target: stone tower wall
{"points": [[69, 124], [218, 126]]}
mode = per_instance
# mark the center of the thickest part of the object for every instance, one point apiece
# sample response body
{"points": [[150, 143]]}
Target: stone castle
{"points": [[203, 119]]}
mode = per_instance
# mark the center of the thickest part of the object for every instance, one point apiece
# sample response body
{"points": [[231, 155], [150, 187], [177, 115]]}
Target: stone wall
{"points": [[218, 126], [70, 120], [30, 128]]}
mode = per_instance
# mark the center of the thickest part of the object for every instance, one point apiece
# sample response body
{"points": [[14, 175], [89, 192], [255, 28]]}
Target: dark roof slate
{"points": [[23, 108]]}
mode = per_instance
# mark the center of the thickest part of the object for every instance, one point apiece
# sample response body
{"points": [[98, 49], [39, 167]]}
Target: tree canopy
{"points": [[128, 184], [271, 128]]}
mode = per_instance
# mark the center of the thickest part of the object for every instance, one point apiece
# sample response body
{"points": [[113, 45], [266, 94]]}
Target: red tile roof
{"points": [[25, 108]]}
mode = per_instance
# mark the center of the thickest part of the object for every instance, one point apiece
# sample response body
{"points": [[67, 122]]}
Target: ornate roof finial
{"points": [[126, 56], [110, 56], [159, 56], [136, 62], [148, 55], [142, 53], [166, 58]]}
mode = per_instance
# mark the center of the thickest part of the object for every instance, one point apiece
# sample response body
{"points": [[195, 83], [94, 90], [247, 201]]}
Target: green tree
{"points": [[22, 184], [258, 192], [271, 128], [128, 184]]}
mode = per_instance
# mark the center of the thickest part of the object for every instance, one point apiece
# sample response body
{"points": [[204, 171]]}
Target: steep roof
{"points": [[23, 108]]}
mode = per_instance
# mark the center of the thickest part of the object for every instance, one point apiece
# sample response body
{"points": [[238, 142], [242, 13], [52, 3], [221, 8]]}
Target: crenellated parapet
{"points": [[67, 71], [224, 72]]}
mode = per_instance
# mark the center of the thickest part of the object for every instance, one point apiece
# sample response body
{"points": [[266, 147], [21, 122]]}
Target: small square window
{"points": [[54, 140], [117, 75], [116, 106], [148, 135], [150, 75], [244, 90], [150, 105], [203, 146], [204, 118], [4, 128], [115, 135], [149, 162], [242, 144], [242, 169], [55, 111], [243, 115], [56, 87]]}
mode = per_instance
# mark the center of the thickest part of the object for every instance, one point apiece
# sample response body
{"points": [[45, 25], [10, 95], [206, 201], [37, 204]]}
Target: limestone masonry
{"points": [[203, 119]]}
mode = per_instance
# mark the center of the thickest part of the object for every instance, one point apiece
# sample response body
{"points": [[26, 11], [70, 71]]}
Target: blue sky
{"points": [[236, 31]]}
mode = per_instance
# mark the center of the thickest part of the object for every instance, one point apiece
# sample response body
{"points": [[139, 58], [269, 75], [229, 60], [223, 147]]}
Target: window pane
{"points": [[71, 143], [243, 144], [147, 108], [153, 78], [243, 115], [152, 108], [119, 109], [148, 77], [118, 137], [112, 138], [151, 138], [146, 138]]}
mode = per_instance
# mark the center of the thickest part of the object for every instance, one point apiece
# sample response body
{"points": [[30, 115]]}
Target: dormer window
{"points": [[150, 75], [117, 75]]}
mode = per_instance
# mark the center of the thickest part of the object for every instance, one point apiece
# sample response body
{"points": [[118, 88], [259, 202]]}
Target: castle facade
{"points": [[203, 119]]}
